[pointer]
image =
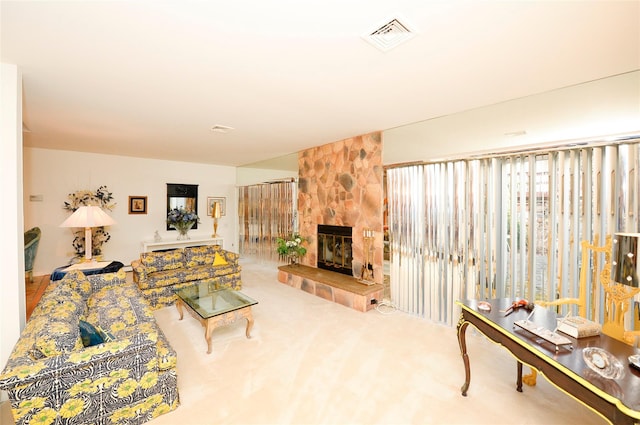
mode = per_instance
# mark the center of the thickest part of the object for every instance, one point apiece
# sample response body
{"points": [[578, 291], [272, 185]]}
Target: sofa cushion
{"points": [[99, 281], [162, 261], [76, 281], [200, 255], [118, 308], [206, 272], [164, 278], [54, 336]]}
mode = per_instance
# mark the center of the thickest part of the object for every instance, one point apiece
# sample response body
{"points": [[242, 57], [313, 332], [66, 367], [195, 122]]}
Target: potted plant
{"points": [[292, 248]]}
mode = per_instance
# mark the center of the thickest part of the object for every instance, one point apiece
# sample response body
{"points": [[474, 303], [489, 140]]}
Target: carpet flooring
{"points": [[310, 361]]}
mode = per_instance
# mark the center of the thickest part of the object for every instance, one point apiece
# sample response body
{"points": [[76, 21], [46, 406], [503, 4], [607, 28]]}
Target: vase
{"points": [[293, 260], [183, 231]]}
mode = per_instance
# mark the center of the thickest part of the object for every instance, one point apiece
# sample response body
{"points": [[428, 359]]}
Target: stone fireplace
{"points": [[335, 248], [340, 184]]}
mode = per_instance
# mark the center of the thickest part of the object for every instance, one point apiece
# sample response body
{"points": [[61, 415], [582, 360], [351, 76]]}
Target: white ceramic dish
{"points": [[634, 361], [603, 363]]}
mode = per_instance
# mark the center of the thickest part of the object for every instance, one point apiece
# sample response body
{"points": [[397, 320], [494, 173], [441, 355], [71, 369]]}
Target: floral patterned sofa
{"points": [[128, 376], [158, 274]]}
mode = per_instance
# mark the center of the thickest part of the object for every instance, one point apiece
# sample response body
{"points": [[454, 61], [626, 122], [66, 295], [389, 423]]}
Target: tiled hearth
{"points": [[332, 286]]}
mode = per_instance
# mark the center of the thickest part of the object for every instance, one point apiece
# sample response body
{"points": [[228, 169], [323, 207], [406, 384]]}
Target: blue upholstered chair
{"points": [[31, 242]]}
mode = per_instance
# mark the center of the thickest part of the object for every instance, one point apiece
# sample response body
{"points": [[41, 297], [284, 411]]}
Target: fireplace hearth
{"points": [[335, 248]]}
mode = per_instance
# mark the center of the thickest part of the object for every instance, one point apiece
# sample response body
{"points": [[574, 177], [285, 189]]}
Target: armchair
{"points": [[31, 242]]}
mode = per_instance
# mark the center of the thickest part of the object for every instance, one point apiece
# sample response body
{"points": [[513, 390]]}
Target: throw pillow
{"points": [[89, 334], [219, 260], [105, 334]]}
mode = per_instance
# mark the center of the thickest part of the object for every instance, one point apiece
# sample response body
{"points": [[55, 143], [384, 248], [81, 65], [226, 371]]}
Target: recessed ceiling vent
{"points": [[221, 128], [390, 35]]}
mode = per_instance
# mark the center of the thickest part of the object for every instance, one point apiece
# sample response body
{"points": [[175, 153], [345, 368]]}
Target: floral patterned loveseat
{"points": [[127, 377], [158, 274]]}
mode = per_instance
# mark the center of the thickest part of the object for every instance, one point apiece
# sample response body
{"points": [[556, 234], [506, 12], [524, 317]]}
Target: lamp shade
{"points": [[625, 259], [88, 216], [216, 211]]}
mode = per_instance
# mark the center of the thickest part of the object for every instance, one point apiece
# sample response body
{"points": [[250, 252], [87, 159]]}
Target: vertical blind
{"points": [[505, 226], [267, 211]]}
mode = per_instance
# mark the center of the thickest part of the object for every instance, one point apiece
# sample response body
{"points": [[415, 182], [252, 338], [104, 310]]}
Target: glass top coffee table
{"points": [[215, 307]]}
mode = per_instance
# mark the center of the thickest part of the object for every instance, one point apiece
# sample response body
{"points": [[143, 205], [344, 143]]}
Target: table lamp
{"points": [[625, 273], [88, 217], [216, 212]]}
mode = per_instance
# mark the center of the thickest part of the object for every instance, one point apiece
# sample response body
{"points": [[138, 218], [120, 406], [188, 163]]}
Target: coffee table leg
{"points": [[249, 318], [208, 330], [179, 307]]}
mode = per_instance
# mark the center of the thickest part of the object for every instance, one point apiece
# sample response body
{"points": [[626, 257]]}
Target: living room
{"points": [[47, 183]]}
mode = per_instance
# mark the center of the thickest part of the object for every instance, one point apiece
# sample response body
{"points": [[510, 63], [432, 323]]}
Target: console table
{"points": [[148, 246], [618, 401]]}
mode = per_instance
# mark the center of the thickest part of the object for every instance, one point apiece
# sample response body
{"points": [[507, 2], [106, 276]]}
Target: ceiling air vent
{"points": [[221, 128], [390, 35]]}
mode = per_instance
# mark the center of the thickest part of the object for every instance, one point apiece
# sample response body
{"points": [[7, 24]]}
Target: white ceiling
{"points": [[150, 79]]}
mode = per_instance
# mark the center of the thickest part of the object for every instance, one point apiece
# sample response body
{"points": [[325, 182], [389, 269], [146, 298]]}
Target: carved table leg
{"points": [[208, 330], [462, 328], [179, 307], [519, 378], [249, 318]]}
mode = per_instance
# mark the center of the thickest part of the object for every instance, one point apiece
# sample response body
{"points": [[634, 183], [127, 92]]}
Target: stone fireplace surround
{"points": [[340, 184]]}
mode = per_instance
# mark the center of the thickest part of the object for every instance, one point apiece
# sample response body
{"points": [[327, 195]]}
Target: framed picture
{"points": [[137, 204], [211, 200]]}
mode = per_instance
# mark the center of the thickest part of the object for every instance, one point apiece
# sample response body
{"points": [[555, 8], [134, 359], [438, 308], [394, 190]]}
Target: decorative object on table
{"points": [[137, 204], [182, 220], [292, 248], [623, 286], [157, 237], [603, 363], [367, 266], [634, 361], [484, 306], [216, 213], [88, 217], [221, 201], [101, 197], [518, 304], [578, 327]]}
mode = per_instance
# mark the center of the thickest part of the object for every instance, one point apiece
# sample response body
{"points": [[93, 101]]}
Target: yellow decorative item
{"points": [[219, 260], [622, 287]]}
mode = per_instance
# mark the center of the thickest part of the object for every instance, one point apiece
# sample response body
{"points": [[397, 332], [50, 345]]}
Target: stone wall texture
{"points": [[341, 184]]}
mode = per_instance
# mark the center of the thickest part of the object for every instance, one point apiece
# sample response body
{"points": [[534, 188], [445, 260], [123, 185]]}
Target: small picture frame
{"points": [[211, 200], [137, 204]]}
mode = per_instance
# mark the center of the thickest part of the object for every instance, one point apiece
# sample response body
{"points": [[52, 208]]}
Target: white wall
{"points": [[12, 290], [55, 174]]}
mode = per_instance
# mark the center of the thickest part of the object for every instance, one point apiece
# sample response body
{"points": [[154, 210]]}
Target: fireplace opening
{"points": [[335, 248]]}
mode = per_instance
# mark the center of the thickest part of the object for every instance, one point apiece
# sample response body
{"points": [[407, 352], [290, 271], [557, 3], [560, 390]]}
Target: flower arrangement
{"points": [[103, 198], [292, 247], [182, 220]]}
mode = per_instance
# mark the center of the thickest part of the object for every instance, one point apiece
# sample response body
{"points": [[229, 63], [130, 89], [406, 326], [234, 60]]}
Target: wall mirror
{"points": [[182, 196]]}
